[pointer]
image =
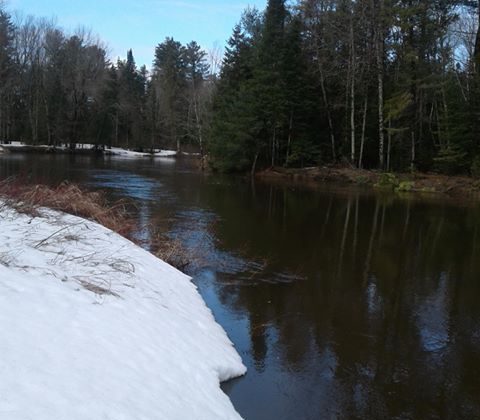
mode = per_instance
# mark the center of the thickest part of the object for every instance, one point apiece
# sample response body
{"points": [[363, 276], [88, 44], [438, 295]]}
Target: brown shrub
{"points": [[69, 198], [172, 251]]}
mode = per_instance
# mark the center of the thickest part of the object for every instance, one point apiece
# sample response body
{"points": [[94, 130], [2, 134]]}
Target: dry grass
{"points": [[98, 289], [172, 251], [72, 199], [68, 198]]}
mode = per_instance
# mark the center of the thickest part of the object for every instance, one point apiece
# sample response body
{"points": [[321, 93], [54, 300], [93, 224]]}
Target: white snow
{"points": [[94, 327], [19, 144], [14, 144], [114, 151]]}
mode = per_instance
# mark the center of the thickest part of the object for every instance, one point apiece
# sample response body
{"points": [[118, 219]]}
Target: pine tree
{"points": [[169, 74], [7, 70], [269, 83], [300, 146], [234, 127], [196, 74]]}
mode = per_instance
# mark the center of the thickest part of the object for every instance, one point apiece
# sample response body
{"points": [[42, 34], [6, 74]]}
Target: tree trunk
{"points": [[327, 108], [47, 120], [389, 143], [273, 145], [289, 142], [412, 163], [476, 53], [198, 124], [352, 90], [116, 129], [364, 126], [379, 54], [352, 115]]}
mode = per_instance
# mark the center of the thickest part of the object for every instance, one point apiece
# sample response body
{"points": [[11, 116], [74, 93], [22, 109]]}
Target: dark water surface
{"points": [[342, 304]]}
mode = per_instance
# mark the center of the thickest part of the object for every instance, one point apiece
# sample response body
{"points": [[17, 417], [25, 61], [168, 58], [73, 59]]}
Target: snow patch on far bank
{"points": [[113, 151], [94, 327]]}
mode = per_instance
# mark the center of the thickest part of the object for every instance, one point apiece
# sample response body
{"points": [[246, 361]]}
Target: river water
{"points": [[342, 303]]}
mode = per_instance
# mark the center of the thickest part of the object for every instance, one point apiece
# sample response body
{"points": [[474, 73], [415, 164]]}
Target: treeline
{"points": [[62, 89], [390, 84]]}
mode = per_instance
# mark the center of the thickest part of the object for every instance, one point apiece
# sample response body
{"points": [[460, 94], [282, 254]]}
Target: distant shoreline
{"points": [[402, 183], [83, 149]]}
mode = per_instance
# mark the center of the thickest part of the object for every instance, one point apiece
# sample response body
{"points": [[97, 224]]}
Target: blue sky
{"points": [[142, 24]]}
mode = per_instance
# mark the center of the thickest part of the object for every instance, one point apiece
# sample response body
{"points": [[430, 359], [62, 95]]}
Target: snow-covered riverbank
{"points": [[116, 151], [94, 327], [86, 148]]}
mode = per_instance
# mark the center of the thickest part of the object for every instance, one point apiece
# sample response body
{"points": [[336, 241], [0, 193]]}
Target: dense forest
{"points": [[388, 84], [62, 89]]}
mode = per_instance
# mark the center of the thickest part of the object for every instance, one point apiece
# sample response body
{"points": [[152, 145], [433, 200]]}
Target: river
{"points": [[342, 303]]}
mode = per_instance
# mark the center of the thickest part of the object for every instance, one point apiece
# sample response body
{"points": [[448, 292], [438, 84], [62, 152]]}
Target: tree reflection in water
{"points": [[343, 304], [381, 324]]}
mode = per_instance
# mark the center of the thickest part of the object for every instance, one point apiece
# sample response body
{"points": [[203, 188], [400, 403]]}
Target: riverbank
{"points": [[424, 183], [93, 326], [85, 149]]}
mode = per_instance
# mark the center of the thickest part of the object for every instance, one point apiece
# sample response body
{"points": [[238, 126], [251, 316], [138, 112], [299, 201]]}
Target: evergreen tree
{"points": [[109, 110], [300, 145], [169, 75], [131, 91], [196, 74], [234, 127], [7, 71], [269, 82]]}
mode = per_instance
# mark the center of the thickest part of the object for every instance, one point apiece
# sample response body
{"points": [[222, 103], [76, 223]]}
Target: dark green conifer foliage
{"points": [[108, 109], [235, 127], [196, 76], [7, 73], [264, 110], [269, 81], [371, 83], [169, 75]]}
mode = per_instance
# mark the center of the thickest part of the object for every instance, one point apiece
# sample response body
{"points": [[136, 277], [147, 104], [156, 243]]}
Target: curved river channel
{"points": [[344, 304]]}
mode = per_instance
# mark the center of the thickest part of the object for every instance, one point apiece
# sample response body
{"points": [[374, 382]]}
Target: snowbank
{"points": [[14, 144], [114, 151], [94, 327]]}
